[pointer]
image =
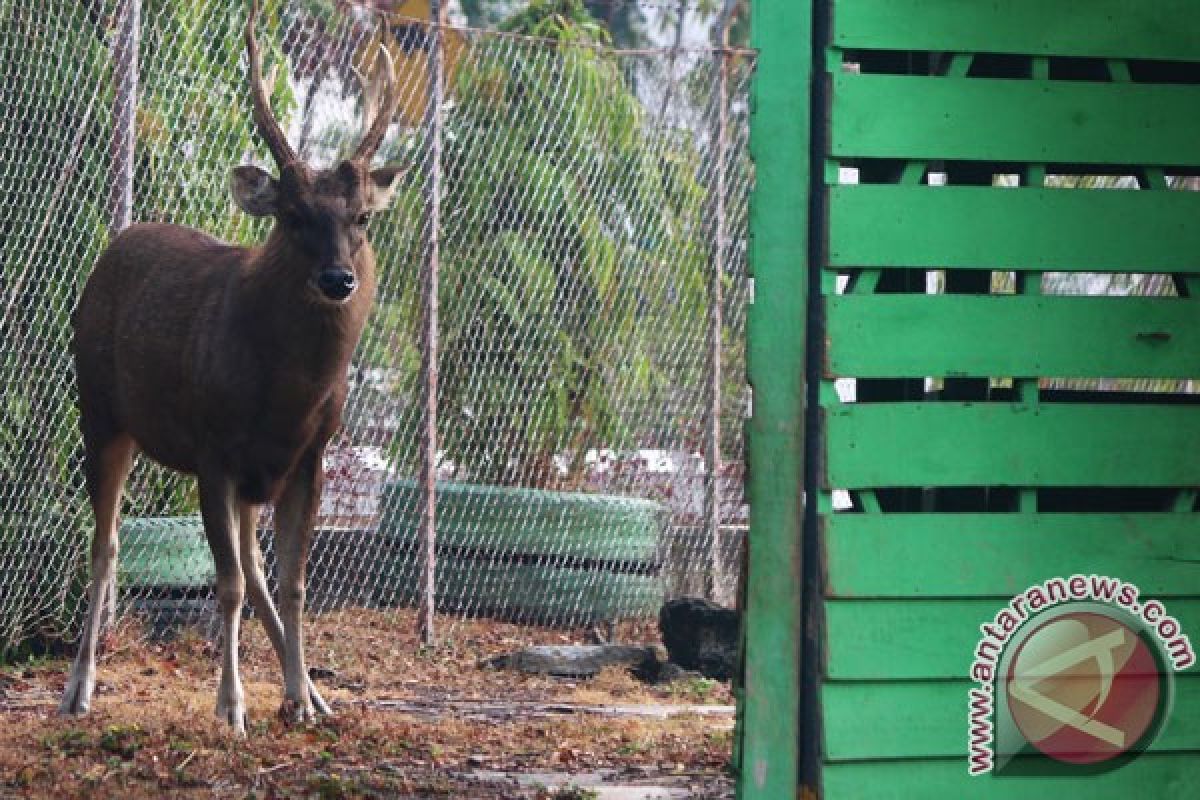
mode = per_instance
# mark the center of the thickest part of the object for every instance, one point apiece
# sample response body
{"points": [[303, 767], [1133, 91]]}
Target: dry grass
{"points": [[152, 732]]}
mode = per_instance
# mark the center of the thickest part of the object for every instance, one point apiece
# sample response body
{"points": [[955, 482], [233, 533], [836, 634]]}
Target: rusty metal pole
{"points": [[435, 63], [124, 57], [712, 439]]}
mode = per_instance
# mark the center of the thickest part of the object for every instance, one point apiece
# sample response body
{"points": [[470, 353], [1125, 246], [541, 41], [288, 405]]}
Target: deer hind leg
{"points": [[106, 466], [260, 596], [218, 508], [294, 515]]}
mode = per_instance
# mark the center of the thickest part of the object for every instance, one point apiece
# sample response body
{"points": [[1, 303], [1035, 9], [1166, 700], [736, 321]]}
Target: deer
{"points": [[230, 364]]}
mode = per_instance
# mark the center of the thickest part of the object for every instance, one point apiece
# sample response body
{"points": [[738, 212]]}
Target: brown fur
{"points": [[199, 349], [230, 363]]}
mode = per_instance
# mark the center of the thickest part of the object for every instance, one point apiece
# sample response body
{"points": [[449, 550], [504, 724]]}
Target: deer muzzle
{"points": [[336, 284]]}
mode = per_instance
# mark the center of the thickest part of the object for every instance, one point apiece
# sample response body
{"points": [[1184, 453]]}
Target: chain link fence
{"points": [[591, 260]]}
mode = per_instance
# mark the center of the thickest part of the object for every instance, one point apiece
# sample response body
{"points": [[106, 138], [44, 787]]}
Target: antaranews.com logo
{"points": [[1075, 676]]}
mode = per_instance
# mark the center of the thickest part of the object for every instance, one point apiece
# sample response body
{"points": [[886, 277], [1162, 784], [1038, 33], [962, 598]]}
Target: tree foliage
{"points": [[630, 23], [572, 249]]}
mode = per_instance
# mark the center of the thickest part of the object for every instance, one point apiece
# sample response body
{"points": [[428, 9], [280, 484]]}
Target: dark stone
{"points": [[701, 636], [581, 661], [663, 672], [321, 674]]}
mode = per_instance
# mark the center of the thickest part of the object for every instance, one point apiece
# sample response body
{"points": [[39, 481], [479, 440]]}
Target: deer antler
{"points": [[370, 102], [268, 127], [383, 115]]}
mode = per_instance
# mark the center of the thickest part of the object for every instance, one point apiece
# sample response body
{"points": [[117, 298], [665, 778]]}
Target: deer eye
{"points": [[363, 219]]}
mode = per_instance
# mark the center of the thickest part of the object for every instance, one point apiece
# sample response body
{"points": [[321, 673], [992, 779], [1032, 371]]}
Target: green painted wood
{"points": [[1011, 444], [878, 640], [779, 142], [1164, 29], [972, 227], [918, 117], [928, 719], [907, 592], [1153, 776], [998, 555], [893, 335]]}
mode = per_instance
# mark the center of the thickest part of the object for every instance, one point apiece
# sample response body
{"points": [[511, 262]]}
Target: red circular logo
{"points": [[1084, 688]]}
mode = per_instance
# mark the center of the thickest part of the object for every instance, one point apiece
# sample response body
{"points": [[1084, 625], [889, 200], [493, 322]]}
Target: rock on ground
{"points": [[700, 635], [581, 661]]}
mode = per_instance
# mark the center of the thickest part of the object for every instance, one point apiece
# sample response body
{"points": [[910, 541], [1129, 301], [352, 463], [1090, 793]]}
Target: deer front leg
{"points": [[106, 466], [260, 596], [294, 515], [218, 508]]}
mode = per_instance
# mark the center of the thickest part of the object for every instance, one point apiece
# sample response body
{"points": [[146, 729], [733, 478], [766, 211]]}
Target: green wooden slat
{"points": [[1011, 444], [894, 335], [1093, 230], [769, 714], [875, 640], [864, 281], [928, 719], [1118, 70], [998, 555], [1164, 29], [1153, 776], [960, 65], [917, 117]]}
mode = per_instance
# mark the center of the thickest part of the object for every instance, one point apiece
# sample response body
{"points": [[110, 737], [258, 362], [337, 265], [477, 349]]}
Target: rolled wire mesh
{"points": [[576, 237]]}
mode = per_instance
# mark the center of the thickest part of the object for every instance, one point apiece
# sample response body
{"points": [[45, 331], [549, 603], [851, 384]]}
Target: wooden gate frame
{"points": [[766, 756], [814, 715]]}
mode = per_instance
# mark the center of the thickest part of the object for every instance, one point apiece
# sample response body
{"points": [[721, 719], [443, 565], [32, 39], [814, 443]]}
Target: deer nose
{"points": [[336, 284]]}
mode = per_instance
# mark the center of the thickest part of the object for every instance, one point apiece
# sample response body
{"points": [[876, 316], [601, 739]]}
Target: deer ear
{"points": [[384, 182], [254, 190]]}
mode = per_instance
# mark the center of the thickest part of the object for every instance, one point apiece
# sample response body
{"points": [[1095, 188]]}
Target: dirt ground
{"points": [[409, 721]]}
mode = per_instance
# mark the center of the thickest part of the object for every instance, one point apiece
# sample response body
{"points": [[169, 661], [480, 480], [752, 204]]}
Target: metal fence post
{"points": [[125, 89], [124, 56], [435, 62], [715, 318]]}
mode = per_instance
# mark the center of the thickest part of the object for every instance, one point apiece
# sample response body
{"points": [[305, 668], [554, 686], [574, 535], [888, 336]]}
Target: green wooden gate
{"points": [[992, 253]]}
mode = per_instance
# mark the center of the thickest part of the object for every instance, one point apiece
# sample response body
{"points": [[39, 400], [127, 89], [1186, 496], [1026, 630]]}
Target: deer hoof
{"points": [[293, 712], [77, 697], [233, 715]]}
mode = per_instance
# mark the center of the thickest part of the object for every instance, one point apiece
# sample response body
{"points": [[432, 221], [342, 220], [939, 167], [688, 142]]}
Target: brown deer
{"points": [[230, 363]]}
